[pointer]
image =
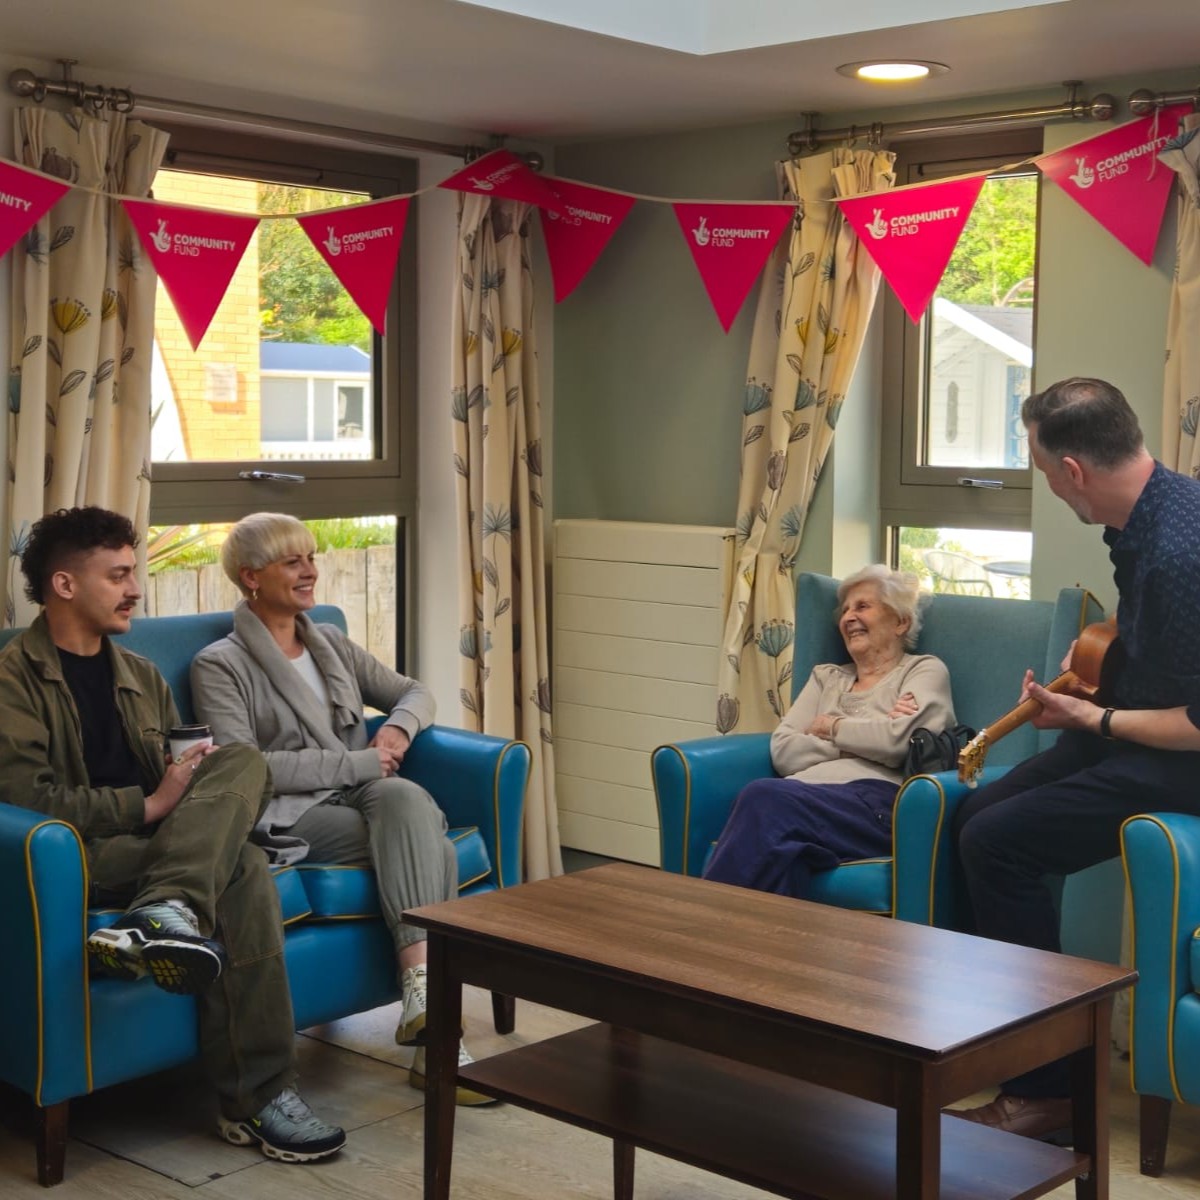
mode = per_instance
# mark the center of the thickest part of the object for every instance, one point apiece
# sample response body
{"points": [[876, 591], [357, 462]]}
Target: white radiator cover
{"points": [[638, 614]]}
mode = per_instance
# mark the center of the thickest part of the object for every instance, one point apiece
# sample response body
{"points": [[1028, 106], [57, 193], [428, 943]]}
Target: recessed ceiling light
{"points": [[892, 72]]}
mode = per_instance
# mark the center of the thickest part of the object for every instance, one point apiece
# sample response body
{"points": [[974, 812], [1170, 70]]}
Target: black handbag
{"points": [[929, 752]]}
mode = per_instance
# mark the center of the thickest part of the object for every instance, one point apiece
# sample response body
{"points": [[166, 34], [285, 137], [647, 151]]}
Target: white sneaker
{"points": [[412, 1013], [462, 1095]]}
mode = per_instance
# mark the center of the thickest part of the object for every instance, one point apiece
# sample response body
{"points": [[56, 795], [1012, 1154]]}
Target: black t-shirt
{"points": [[106, 754]]}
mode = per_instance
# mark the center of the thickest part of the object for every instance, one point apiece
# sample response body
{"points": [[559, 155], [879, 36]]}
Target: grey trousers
{"points": [[200, 854], [395, 825]]}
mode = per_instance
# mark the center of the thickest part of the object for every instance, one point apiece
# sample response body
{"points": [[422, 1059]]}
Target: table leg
{"points": [[623, 1153], [442, 1032], [1089, 1093], [918, 1138]]}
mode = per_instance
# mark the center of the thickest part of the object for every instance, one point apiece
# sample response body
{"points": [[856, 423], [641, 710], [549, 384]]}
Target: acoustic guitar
{"points": [[1094, 660]]}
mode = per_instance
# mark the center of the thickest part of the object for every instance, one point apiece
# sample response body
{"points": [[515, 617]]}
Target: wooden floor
{"points": [[152, 1139]]}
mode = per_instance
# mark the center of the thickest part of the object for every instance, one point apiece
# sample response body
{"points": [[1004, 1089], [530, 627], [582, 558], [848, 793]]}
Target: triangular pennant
{"points": [[730, 243], [361, 245], [1115, 178], [911, 233], [195, 252], [576, 236], [24, 199], [501, 173]]}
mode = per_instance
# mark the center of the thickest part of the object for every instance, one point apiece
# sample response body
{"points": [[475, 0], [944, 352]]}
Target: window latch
{"points": [[270, 477], [966, 481]]}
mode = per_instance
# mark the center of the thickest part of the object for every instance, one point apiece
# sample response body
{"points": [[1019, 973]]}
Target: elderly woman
{"points": [[296, 690], [840, 747]]}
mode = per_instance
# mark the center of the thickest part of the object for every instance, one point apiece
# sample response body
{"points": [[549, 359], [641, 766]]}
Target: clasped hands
{"points": [[391, 743]]}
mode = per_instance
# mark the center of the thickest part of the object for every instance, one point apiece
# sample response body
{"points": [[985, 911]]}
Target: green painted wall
{"points": [[647, 388]]}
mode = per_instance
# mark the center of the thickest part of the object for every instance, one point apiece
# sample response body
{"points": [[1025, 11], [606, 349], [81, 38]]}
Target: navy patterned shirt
{"points": [[1156, 566]]}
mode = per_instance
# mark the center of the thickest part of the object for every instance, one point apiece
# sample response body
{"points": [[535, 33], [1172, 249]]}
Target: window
{"points": [[954, 449], [292, 403]]}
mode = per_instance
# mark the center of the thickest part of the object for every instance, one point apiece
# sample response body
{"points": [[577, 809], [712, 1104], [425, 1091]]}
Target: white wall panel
{"points": [[638, 613]]}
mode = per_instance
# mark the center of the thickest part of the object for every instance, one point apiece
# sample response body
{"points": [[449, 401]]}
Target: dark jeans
{"points": [[782, 830], [1055, 814]]}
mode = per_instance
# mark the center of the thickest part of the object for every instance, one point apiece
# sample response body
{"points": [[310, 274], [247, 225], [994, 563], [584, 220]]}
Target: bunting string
{"points": [[910, 231]]}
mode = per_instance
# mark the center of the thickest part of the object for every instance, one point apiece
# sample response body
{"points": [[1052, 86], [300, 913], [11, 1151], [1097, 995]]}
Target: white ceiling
{"points": [[411, 65]]}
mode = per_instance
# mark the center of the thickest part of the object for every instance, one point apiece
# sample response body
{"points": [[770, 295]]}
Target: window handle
{"points": [[270, 477], [966, 481]]}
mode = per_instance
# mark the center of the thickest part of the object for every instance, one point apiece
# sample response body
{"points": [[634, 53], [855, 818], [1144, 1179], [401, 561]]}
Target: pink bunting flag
{"points": [[24, 199], [502, 174], [576, 237], [911, 233], [195, 252], [730, 243], [361, 246], [1116, 178]]}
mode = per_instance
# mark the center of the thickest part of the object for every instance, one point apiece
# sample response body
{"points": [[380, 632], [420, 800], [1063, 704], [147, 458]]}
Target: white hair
{"points": [[899, 591]]}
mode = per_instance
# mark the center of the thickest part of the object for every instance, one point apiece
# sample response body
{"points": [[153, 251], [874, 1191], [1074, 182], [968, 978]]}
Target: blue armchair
{"points": [[1161, 852], [986, 643], [64, 1035]]}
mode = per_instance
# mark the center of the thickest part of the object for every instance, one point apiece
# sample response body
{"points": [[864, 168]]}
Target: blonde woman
{"points": [[297, 690]]}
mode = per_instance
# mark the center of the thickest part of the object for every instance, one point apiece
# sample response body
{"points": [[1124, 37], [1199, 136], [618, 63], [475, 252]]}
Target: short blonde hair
{"points": [[898, 590], [260, 539]]}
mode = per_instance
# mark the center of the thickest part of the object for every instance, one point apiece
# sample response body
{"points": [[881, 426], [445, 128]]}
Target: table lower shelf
{"points": [[793, 1138]]}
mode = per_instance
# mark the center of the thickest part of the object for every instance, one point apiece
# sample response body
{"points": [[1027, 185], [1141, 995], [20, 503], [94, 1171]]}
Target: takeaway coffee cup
{"points": [[183, 737]]}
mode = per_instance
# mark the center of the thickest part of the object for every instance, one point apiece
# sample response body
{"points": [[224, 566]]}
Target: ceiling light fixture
{"points": [[892, 71]]}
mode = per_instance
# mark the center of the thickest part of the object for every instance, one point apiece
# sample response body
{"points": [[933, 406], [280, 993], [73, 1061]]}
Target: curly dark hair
{"points": [[61, 536]]}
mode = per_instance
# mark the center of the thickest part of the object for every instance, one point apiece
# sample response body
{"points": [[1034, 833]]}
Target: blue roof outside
{"points": [[302, 358]]}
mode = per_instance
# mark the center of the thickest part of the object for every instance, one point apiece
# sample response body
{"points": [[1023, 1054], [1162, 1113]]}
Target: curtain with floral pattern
{"points": [[82, 332], [813, 310], [1181, 384], [505, 672]]}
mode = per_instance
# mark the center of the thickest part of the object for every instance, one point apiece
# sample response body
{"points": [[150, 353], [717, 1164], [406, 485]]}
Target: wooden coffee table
{"points": [[802, 1049]]}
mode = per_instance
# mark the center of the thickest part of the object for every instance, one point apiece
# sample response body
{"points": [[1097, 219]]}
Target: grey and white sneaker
{"points": [[286, 1129], [462, 1095], [412, 1016], [160, 940]]}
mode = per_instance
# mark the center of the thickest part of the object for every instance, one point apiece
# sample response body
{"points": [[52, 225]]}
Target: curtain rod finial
{"points": [[23, 82]]}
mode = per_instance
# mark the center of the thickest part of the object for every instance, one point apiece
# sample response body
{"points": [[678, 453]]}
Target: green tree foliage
{"points": [[300, 298], [998, 247]]}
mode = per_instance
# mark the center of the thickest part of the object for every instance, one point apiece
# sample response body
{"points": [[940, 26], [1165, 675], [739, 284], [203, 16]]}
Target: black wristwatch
{"points": [[1106, 724]]}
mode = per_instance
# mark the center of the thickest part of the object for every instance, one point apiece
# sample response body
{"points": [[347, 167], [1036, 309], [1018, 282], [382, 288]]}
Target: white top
{"points": [[308, 670]]}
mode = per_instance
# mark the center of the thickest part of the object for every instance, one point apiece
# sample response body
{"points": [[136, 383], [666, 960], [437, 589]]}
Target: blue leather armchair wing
{"points": [[1161, 852], [986, 643]]}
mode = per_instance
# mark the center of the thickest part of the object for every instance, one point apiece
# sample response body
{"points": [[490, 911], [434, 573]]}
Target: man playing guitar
{"points": [[1139, 751]]}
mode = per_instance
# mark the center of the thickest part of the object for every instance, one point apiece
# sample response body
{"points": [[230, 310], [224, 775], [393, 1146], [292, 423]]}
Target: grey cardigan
{"points": [[248, 691]]}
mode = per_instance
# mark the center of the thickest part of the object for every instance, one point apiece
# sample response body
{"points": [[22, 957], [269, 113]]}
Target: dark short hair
{"points": [[63, 535], [1084, 418]]}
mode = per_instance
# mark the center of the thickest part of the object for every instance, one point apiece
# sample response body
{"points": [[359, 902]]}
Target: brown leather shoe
{"points": [[1047, 1120]]}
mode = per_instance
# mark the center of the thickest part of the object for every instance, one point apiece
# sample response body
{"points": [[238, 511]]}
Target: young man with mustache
{"points": [[83, 727]]}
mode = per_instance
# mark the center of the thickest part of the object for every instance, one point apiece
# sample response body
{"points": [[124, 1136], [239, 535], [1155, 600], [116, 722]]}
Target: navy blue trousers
{"points": [[1055, 814], [782, 830]]}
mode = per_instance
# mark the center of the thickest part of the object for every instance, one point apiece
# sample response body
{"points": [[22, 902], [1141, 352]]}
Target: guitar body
{"points": [[1095, 662]]}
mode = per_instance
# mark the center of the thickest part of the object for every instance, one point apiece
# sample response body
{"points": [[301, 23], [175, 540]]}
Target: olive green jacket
{"points": [[41, 742]]}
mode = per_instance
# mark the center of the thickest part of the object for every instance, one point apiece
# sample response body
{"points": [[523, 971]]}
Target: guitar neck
{"points": [[1026, 710]]}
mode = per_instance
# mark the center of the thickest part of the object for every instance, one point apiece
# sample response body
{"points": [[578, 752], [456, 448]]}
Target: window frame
{"points": [[912, 494], [213, 491]]}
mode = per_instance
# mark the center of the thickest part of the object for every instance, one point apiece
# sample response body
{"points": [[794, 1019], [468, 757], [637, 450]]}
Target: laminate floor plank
{"points": [[354, 1073]]}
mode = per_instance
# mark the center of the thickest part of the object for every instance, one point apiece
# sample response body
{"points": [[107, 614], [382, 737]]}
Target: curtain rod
{"points": [[96, 98], [1099, 108], [1144, 101]]}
